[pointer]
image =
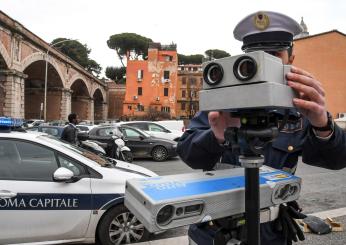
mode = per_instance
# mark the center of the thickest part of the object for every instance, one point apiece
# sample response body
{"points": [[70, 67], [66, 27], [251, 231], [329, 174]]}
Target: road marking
{"points": [[183, 240], [333, 213]]}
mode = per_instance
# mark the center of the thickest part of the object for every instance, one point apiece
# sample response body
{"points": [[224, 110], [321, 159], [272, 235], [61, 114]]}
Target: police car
{"points": [[53, 192]]}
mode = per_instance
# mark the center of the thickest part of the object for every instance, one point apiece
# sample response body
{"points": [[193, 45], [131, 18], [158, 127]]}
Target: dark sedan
{"points": [[142, 145]]}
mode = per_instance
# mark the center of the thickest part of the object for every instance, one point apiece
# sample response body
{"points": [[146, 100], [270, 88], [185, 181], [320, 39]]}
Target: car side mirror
{"points": [[141, 137], [63, 175], [167, 131]]}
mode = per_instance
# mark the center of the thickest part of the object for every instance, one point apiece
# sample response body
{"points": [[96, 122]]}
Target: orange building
{"points": [[151, 83], [324, 56], [189, 84]]}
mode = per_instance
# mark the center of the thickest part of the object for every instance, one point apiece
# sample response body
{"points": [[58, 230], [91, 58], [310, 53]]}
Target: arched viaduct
{"points": [[71, 88]]}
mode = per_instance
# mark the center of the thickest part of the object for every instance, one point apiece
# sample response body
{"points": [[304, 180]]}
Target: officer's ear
{"points": [[290, 59], [291, 55]]}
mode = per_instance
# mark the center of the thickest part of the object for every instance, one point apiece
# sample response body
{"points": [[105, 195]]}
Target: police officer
{"points": [[310, 130]]}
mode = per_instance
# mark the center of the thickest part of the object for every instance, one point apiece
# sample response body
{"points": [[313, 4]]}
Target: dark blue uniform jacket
{"points": [[199, 149]]}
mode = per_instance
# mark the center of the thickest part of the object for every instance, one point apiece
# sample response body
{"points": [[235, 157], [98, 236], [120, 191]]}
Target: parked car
{"points": [[114, 148], [51, 130], [341, 122], [57, 123], [85, 127], [53, 192], [33, 122], [173, 125], [142, 144], [155, 129]]}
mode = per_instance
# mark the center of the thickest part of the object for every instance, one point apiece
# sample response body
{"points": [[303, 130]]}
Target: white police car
{"points": [[52, 192]]}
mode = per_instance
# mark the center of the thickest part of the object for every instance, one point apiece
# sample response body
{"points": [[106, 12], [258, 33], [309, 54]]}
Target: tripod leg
{"points": [[252, 201]]}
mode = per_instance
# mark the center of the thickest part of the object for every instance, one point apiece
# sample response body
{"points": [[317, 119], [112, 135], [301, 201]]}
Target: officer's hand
{"points": [[311, 97], [219, 121]]}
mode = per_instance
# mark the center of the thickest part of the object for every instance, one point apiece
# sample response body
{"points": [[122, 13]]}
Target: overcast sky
{"points": [[194, 25]]}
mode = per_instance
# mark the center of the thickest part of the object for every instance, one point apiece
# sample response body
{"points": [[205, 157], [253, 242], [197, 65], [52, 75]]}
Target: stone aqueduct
{"points": [[22, 75]]}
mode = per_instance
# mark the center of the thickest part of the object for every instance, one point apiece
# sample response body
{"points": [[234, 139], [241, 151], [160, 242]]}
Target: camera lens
{"points": [[213, 74], [245, 68], [164, 215]]}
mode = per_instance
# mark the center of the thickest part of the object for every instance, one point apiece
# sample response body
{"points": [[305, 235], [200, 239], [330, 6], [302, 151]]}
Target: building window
{"points": [[192, 81], [166, 74], [140, 75], [201, 80], [165, 109], [183, 93], [129, 107], [194, 68], [140, 107], [183, 106], [183, 81], [168, 58], [140, 91], [165, 91], [182, 68]]}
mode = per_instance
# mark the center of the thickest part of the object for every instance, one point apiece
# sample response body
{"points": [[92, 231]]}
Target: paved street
{"points": [[321, 190]]}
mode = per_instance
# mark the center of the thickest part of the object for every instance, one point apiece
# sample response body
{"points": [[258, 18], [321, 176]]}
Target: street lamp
{"points": [[46, 75]]}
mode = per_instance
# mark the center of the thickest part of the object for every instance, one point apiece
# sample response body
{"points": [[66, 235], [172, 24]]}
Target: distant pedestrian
{"points": [[70, 131]]}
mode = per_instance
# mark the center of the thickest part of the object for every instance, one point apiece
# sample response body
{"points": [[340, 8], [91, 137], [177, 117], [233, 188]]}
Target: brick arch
{"points": [[5, 55], [2, 99], [77, 77], [41, 57], [103, 92]]}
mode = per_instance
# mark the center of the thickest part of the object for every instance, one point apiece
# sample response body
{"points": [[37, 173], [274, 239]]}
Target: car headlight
{"points": [[174, 146]]}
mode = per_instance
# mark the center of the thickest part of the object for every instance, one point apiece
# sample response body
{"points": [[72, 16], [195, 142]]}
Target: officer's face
{"points": [[283, 55]]}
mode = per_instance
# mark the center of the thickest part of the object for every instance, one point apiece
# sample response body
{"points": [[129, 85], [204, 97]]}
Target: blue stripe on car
{"points": [[59, 201]]}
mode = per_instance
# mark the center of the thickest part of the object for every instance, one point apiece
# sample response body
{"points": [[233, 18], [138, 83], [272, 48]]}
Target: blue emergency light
{"points": [[7, 122]]}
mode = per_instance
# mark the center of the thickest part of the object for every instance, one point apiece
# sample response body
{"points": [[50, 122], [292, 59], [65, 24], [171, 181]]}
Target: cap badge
{"points": [[261, 21]]}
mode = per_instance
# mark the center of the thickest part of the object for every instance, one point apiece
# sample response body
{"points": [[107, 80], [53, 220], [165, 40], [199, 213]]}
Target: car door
{"points": [[34, 207], [137, 142]]}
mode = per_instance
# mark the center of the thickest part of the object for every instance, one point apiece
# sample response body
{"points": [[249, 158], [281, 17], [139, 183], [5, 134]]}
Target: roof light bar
{"points": [[10, 122]]}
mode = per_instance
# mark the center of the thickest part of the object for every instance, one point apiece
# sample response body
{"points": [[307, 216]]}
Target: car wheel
{"points": [[128, 156], [120, 226], [159, 153]]}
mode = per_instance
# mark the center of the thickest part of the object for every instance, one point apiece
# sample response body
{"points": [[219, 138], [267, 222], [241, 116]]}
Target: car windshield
{"points": [[103, 161]]}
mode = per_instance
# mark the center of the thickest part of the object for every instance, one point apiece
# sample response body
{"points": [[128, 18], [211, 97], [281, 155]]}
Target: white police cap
{"points": [[266, 30]]}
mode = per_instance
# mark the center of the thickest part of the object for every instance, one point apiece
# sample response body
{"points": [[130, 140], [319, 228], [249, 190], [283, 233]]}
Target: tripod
{"points": [[257, 129]]}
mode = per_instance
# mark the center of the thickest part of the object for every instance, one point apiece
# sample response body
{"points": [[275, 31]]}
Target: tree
{"points": [[126, 42], [190, 59], [94, 67], [215, 54], [79, 53], [116, 74]]}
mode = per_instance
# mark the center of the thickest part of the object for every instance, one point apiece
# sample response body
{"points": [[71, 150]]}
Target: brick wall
{"points": [[324, 56]]}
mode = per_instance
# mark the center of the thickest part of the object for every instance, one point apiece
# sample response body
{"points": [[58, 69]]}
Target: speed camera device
{"points": [[171, 201], [248, 81]]}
